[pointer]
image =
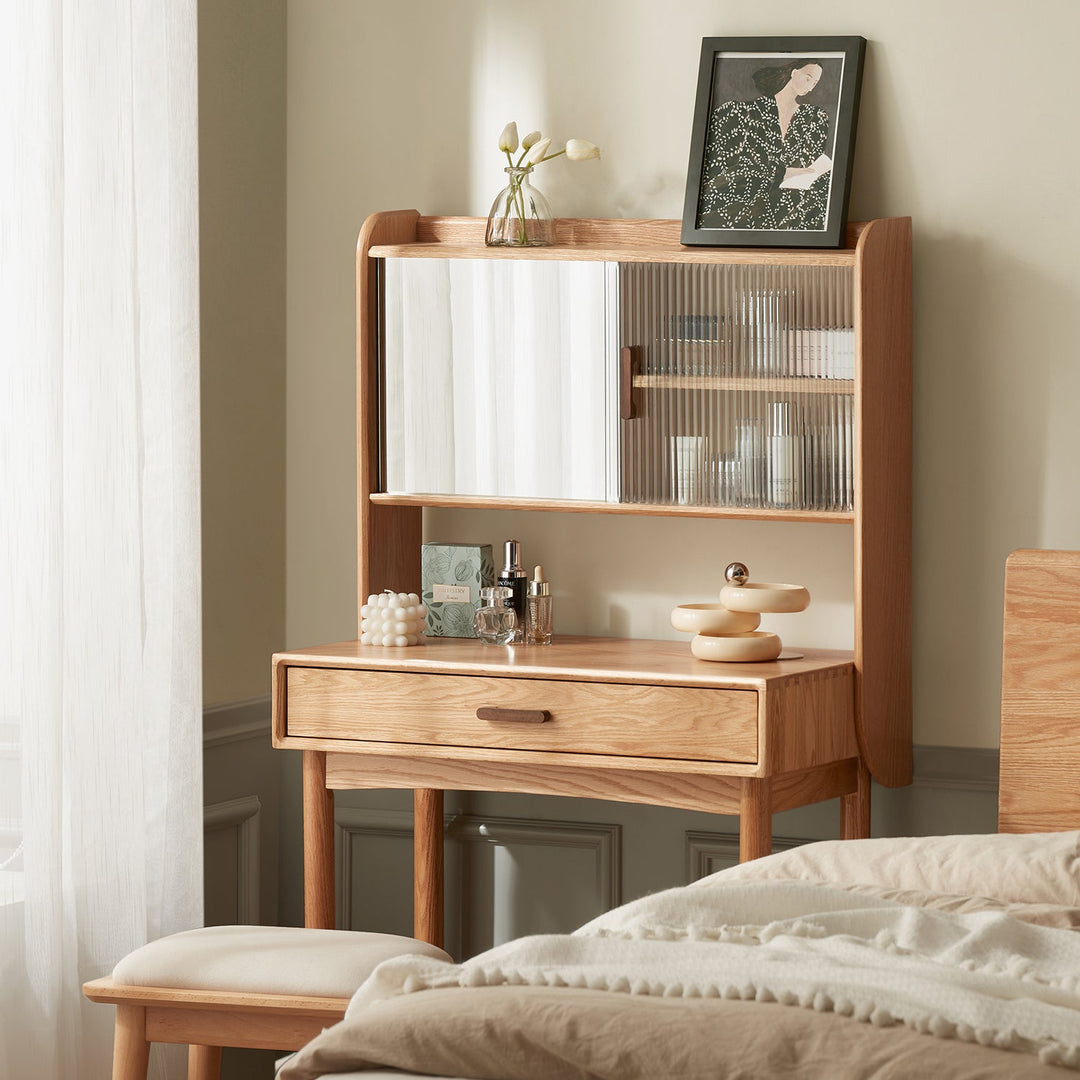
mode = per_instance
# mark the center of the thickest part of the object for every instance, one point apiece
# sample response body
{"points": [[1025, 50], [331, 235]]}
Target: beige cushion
{"points": [[1033, 868], [266, 959]]}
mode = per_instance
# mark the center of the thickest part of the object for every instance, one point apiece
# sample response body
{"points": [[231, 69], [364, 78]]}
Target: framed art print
{"points": [[773, 140]]}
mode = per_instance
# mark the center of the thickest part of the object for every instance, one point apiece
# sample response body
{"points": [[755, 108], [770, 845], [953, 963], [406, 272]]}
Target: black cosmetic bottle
{"points": [[513, 576]]}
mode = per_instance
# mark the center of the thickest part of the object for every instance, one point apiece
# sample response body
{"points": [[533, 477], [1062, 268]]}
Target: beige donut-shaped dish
{"points": [[765, 596], [736, 648], [713, 619]]}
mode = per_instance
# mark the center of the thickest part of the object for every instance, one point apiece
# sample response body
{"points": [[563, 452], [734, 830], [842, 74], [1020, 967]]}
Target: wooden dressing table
{"points": [[628, 720]]}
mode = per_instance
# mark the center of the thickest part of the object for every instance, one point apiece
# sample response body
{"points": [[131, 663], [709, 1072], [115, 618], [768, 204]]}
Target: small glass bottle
{"points": [[495, 623], [538, 610]]}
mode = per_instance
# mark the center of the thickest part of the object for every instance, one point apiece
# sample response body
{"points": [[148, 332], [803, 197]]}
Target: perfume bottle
{"points": [[495, 622], [538, 614], [513, 577]]}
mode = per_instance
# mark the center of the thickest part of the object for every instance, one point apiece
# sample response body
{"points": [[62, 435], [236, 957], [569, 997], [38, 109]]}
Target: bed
{"points": [[953, 956]]}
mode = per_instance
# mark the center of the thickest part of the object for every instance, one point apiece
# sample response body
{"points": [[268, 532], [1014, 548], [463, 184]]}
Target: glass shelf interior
{"points": [[665, 384], [742, 385]]}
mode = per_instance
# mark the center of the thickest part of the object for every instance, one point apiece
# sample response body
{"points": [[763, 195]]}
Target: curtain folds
{"points": [[100, 667]]}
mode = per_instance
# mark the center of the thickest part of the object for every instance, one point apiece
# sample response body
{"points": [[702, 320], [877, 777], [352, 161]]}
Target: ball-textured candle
{"points": [[392, 618]]}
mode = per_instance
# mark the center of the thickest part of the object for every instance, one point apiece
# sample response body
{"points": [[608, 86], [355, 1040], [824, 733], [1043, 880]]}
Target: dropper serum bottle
{"points": [[538, 618], [513, 577]]}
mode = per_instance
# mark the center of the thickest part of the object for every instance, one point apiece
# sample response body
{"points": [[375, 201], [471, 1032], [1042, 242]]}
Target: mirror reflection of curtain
{"points": [[497, 378], [100, 668]]}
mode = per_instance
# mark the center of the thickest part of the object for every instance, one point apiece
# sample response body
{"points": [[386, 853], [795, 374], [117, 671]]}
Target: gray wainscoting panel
{"points": [[231, 861]]}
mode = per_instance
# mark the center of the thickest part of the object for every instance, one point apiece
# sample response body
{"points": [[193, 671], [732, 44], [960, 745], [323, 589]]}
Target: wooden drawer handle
{"points": [[517, 716]]}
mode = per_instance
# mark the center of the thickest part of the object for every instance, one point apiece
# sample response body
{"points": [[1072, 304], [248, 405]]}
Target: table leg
{"points": [[318, 844], [428, 865], [855, 808], [755, 819]]}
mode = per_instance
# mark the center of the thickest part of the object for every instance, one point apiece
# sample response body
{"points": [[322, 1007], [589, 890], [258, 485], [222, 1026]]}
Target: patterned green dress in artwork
{"points": [[745, 159]]}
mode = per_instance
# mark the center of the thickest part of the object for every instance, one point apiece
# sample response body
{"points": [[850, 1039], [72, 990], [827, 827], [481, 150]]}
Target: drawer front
{"points": [[584, 717]]}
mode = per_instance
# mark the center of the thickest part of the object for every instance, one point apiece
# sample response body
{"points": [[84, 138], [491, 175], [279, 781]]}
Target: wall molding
{"points": [[242, 815], [236, 721], [605, 841], [957, 768], [708, 852]]}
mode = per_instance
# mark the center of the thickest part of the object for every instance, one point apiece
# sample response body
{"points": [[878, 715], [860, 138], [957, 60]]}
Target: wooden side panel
{"points": [[883, 500], [388, 537], [1040, 693], [809, 721]]}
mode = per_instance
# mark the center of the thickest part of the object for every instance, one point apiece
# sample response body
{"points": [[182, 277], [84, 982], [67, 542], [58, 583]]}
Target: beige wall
{"points": [[242, 235], [967, 125]]}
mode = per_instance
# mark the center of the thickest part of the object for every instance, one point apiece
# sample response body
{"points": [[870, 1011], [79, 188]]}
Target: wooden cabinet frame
{"points": [[867, 733]]}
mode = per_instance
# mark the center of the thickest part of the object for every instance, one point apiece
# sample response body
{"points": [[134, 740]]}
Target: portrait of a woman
{"points": [[767, 161]]}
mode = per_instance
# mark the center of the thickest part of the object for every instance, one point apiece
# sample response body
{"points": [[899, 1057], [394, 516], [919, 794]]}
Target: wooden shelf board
{"points": [[667, 253], [770, 383], [494, 502]]}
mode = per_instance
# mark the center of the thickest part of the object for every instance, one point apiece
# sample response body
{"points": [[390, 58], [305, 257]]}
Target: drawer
{"points": [[585, 717]]}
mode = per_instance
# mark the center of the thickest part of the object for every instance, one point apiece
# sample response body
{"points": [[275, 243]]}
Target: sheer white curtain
{"points": [[100, 670]]}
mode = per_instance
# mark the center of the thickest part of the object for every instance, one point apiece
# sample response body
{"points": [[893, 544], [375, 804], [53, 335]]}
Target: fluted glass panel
{"points": [[743, 385]]}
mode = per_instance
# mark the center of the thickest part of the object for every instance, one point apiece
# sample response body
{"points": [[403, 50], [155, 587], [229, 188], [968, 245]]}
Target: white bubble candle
{"points": [[392, 618]]}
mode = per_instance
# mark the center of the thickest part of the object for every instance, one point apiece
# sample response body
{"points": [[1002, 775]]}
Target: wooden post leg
{"points": [[131, 1051], [428, 865], [855, 808], [204, 1062], [318, 844], [755, 819]]}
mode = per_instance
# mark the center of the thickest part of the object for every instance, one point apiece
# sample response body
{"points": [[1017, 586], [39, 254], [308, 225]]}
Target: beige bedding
{"points": [[752, 974]]}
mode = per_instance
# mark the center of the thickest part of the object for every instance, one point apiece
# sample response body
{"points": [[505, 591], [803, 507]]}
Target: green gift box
{"points": [[451, 577]]}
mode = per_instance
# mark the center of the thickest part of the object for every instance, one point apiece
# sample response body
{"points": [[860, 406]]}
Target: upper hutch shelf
{"points": [[746, 373], [582, 240]]}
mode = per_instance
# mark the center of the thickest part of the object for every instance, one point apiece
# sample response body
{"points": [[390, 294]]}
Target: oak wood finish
{"points": [[131, 1051], [855, 806], [204, 1062], [589, 718], [207, 1020], [428, 865], [318, 843], [755, 819], [1040, 693], [882, 460]]}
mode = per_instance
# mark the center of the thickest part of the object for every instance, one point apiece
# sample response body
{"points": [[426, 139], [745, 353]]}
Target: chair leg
{"points": [[204, 1062], [131, 1051]]}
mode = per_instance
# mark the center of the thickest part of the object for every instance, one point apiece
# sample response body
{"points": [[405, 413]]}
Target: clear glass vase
{"points": [[520, 215]]}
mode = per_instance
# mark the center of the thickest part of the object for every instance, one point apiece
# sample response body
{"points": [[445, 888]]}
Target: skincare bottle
{"points": [[513, 577], [785, 460], [538, 617]]}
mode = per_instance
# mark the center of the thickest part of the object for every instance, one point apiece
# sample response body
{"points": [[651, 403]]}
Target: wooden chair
{"points": [[267, 987]]}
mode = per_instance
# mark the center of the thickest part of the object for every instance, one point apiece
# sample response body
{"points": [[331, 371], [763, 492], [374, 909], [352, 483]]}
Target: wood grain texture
{"points": [[638, 720], [794, 789], [809, 720], [715, 793], [318, 843], [109, 992], [755, 820], [388, 537], [428, 865], [286, 1031], [131, 1051], [1040, 693], [883, 329], [600, 240], [584, 506], [204, 1062], [855, 807], [571, 657]]}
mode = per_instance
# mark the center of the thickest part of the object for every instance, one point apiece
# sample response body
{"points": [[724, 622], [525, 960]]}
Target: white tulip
{"points": [[580, 150], [508, 140], [531, 140], [537, 152]]}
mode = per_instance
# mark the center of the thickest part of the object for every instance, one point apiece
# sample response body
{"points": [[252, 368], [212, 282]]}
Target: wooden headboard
{"points": [[1039, 787]]}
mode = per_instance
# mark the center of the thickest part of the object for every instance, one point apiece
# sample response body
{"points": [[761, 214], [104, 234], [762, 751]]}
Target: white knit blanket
{"points": [[984, 977]]}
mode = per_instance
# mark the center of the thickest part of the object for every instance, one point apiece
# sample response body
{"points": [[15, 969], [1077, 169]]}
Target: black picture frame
{"points": [[738, 190]]}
